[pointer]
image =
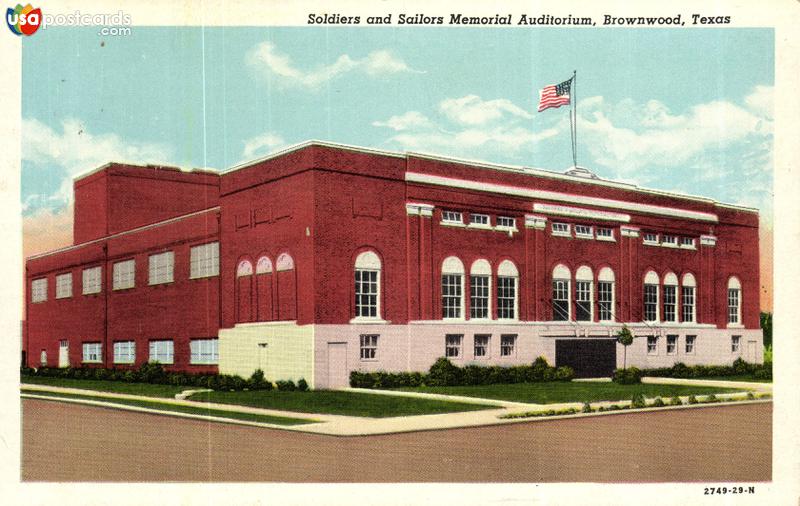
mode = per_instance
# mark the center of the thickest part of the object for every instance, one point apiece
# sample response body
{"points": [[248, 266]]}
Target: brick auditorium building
{"points": [[324, 258]]}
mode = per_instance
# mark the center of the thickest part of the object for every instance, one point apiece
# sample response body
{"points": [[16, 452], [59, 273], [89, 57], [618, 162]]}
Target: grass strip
{"points": [[117, 387], [178, 408]]}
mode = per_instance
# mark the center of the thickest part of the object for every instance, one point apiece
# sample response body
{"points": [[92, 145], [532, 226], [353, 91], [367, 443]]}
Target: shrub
{"points": [[130, 376], [151, 372], [286, 385], [750, 396], [564, 373], [763, 371], [629, 376], [741, 367], [444, 373], [658, 402], [587, 408], [692, 399], [538, 368], [676, 401], [711, 398], [638, 401], [302, 385], [257, 381]]}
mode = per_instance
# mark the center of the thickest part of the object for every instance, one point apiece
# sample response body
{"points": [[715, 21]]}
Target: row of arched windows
{"points": [[268, 292], [484, 299]]}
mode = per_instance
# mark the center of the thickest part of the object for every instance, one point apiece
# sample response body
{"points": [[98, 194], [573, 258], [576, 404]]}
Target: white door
{"points": [[63, 353], [751, 351], [337, 365]]}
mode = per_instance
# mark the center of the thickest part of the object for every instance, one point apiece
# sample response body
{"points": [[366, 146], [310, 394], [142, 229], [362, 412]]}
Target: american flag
{"points": [[554, 95]]}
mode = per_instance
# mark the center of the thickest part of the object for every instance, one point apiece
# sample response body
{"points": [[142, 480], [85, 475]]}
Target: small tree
{"points": [[625, 338]]}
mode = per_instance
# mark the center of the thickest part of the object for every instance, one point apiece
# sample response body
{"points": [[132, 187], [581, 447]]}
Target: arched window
{"points": [[480, 282], [452, 288], [734, 300], [561, 293], [287, 287], [670, 296], [285, 262], [605, 295], [688, 310], [263, 289], [507, 290], [584, 292], [245, 268], [244, 291], [368, 285], [264, 265], [651, 283]]}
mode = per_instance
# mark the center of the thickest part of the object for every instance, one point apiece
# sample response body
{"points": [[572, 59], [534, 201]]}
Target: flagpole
{"points": [[574, 118]]}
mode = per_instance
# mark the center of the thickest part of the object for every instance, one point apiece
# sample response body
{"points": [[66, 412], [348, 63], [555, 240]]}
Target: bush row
{"points": [[629, 376], [154, 373], [445, 373], [738, 368]]}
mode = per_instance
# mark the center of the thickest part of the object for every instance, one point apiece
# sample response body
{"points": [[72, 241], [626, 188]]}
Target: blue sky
{"points": [[688, 110]]}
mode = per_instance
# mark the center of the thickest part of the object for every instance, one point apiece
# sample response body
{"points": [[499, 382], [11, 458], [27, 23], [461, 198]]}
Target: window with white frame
{"points": [[688, 310], [507, 292], [204, 260], [367, 285], [690, 340], [605, 294], [162, 351], [669, 240], [452, 288], [583, 293], [124, 352], [672, 344], [561, 295], [735, 342], [479, 219], [369, 346], [43, 358], [92, 280], [560, 228], [506, 222], [64, 286], [92, 353], [204, 351], [481, 345], [124, 275], [583, 231], [508, 345], [652, 345], [651, 297], [734, 301], [605, 234], [39, 290], [162, 268], [452, 345], [650, 238], [452, 217], [479, 289], [687, 242], [670, 296]]}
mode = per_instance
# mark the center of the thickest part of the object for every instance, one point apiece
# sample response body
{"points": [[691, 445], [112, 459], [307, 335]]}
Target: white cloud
{"points": [[472, 110], [261, 145], [406, 121], [46, 229], [265, 58], [760, 101]]}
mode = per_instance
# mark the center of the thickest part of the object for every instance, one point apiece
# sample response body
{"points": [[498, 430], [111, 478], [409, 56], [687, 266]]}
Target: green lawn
{"points": [[338, 403], [749, 379], [173, 408], [118, 387], [556, 392]]}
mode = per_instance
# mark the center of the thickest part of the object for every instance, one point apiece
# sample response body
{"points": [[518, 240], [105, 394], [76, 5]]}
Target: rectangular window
{"points": [[369, 346], [161, 269], [162, 351], [672, 344], [39, 290], [652, 345], [92, 280], [124, 352], [669, 240], [204, 261], [690, 344], [64, 286], [735, 340], [560, 299], [451, 295], [92, 353], [479, 219], [452, 345], [124, 275], [687, 242], [506, 222], [204, 351], [560, 228], [605, 300], [481, 345], [508, 345], [452, 217], [670, 294], [650, 302], [687, 303], [584, 231], [366, 293], [733, 305], [650, 238], [605, 234], [479, 297], [506, 297], [583, 300]]}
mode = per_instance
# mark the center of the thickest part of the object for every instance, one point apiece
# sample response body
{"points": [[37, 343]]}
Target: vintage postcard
{"points": [[400, 252]]}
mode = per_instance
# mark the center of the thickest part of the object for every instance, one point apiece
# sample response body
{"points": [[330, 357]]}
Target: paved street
{"points": [[70, 442]]}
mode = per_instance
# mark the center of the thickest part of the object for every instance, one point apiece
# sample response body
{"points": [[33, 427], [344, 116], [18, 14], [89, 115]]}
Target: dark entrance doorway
{"points": [[590, 358]]}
